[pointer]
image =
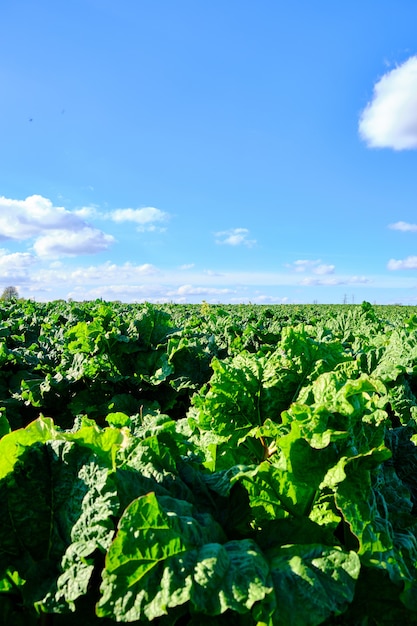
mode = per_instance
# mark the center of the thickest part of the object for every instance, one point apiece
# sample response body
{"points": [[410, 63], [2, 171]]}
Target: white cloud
{"points": [[145, 218], [169, 283], [15, 266], [108, 273], [410, 263], [15, 259], [55, 230], [404, 226], [390, 119], [47, 278], [235, 237], [187, 266], [213, 273], [121, 291], [334, 281], [190, 290], [324, 269], [59, 243], [315, 267], [300, 266], [264, 299], [87, 212], [23, 219]]}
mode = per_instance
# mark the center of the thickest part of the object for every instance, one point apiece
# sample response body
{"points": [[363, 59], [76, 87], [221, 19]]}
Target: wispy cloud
{"points": [[264, 299], [146, 219], [235, 237], [87, 212], [314, 267], [390, 118], [121, 291], [213, 273], [193, 290], [410, 263], [404, 226], [113, 272], [334, 281]]}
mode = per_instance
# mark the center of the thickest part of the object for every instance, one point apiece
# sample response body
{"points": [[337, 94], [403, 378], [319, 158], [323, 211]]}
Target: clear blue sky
{"points": [[227, 151]]}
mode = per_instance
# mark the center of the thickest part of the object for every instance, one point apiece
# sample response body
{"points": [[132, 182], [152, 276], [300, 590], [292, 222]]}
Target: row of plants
{"points": [[188, 465]]}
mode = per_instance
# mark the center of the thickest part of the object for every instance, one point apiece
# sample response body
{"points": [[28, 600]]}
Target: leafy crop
{"points": [[157, 468]]}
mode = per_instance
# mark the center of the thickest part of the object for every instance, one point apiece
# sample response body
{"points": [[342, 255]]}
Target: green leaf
{"points": [[311, 583], [274, 493], [57, 494], [10, 581], [91, 532], [163, 557], [386, 538], [118, 419], [4, 425], [13, 444]]}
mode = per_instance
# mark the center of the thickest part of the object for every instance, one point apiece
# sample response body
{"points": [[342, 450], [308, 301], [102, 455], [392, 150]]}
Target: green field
{"points": [[204, 465]]}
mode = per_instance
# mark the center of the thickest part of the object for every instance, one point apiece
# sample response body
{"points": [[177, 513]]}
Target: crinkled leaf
{"points": [[274, 493], [164, 556], [52, 498], [383, 540], [311, 583]]}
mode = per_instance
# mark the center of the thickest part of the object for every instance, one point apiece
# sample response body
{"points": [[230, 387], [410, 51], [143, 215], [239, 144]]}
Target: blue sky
{"points": [[189, 150]]}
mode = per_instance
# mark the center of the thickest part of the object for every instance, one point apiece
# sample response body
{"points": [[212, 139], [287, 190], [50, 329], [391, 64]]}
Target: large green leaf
{"points": [[165, 555], [311, 583], [58, 503]]}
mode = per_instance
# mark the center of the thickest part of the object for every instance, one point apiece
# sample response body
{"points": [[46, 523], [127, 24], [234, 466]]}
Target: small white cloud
{"points": [[263, 299], [235, 237], [213, 273], [410, 263], [390, 119], [334, 281], [404, 226], [87, 212], [145, 218], [145, 268], [187, 266], [59, 243], [15, 260], [190, 290], [324, 269], [20, 259], [301, 265], [15, 266], [315, 267]]}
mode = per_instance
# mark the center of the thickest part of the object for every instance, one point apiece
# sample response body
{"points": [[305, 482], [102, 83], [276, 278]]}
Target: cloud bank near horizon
{"points": [[49, 246]]}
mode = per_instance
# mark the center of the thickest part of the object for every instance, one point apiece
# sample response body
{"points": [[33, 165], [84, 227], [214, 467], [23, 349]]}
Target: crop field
{"points": [[207, 465]]}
